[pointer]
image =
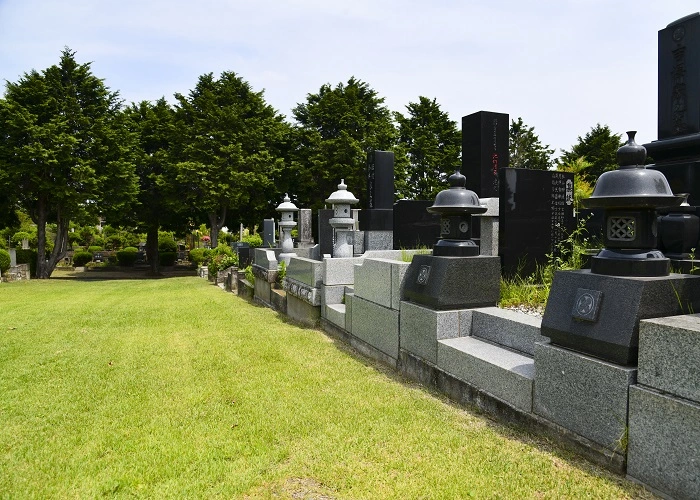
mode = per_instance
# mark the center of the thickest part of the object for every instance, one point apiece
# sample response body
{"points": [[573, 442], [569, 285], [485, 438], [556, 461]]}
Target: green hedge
{"points": [[81, 258], [167, 258], [167, 245], [127, 257], [94, 248], [197, 256], [4, 260]]}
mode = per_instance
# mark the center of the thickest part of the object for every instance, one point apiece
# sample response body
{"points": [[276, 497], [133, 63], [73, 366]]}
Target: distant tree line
{"points": [[71, 151]]}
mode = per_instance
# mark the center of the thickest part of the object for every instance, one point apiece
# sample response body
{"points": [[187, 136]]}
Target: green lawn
{"points": [[173, 388]]}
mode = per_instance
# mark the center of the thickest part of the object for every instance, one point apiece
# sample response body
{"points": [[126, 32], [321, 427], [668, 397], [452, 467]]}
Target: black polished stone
{"points": [[414, 227], [378, 219], [621, 302], [484, 151], [535, 214], [380, 180], [325, 231]]}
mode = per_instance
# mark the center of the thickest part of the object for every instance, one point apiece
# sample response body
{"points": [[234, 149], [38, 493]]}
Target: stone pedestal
{"points": [[583, 394], [599, 314]]}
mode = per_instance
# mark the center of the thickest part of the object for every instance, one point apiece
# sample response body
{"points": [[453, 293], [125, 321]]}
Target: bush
{"points": [[167, 258], [254, 240], [81, 258], [167, 244], [127, 257], [222, 261], [27, 257], [94, 248], [4, 260], [197, 256], [19, 236]]}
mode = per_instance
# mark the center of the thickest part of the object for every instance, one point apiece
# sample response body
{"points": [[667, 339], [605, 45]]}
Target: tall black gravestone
{"points": [[376, 220], [676, 153], [484, 151], [536, 212], [414, 227]]}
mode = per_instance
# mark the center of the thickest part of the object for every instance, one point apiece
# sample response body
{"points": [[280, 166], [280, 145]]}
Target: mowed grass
{"points": [[173, 388]]}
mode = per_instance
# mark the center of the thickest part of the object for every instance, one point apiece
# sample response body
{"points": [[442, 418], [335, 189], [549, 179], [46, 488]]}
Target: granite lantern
{"points": [[342, 221], [597, 311], [287, 209], [455, 276], [679, 231], [456, 206]]}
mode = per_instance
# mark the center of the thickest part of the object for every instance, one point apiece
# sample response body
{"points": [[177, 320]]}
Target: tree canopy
{"points": [[433, 145], [64, 151], [525, 148], [599, 148]]}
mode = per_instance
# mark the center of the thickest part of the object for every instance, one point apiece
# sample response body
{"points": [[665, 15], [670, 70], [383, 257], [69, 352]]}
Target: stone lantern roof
{"points": [[342, 196]]}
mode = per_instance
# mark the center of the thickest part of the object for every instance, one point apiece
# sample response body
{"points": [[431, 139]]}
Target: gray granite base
{"points": [[262, 291], [503, 373], [583, 394], [335, 313], [376, 325], [507, 328], [664, 443], [302, 311], [421, 328], [669, 355]]}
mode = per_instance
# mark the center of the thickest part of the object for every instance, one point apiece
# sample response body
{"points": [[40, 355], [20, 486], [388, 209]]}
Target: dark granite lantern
{"points": [[456, 206], [679, 230], [630, 196]]}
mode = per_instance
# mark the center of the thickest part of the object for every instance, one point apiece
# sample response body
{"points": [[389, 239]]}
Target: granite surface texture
{"points": [[306, 271], [503, 373], [335, 313], [508, 328], [376, 325], [583, 394], [332, 294], [373, 281], [302, 311], [664, 442], [339, 271], [421, 327]]}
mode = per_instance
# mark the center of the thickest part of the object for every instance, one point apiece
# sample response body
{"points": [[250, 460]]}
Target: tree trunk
{"points": [[61, 245], [216, 222], [152, 249], [41, 238]]}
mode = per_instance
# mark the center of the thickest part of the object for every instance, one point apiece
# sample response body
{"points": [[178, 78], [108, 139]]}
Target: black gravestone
{"points": [[536, 213], [414, 227], [380, 180], [325, 231], [484, 151], [676, 153]]}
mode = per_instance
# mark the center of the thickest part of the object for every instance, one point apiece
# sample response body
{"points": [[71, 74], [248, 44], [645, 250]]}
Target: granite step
{"points": [[501, 372], [335, 313], [512, 329]]}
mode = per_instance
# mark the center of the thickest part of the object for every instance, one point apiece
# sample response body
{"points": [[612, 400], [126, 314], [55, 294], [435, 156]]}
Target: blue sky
{"points": [[563, 66]]}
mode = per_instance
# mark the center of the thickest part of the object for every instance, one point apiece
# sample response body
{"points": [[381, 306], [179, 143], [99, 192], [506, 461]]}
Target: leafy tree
{"points": [[433, 144], [64, 151], [582, 188], [525, 148], [599, 148], [229, 151], [336, 129]]}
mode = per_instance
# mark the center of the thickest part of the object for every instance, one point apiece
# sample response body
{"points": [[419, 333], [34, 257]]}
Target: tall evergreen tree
{"points": [[65, 150], [599, 148], [433, 144], [525, 148], [229, 149], [336, 129]]}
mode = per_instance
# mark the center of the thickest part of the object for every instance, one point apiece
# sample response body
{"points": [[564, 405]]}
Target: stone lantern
{"points": [[287, 209], [456, 206], [342, 221], [597, 311], [630, 196]]}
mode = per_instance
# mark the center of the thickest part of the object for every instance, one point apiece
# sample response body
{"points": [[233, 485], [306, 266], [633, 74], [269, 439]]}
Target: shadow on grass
{"points": [[123, 273]]}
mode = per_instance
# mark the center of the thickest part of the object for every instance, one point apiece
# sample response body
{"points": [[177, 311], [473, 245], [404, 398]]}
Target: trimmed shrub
{"points": [[167, 258], [4, 260], [222, 261], [94, 248], [197, 256], [254, 240], [27, 257], [167, 245], [127, 257], [81, 258]]}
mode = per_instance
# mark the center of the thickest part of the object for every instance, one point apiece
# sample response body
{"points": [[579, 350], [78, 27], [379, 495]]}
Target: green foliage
{"points": [[525, 148], [254, 240], [229, 150], [27, 257], [599, 148], [582, 188], [281, 272], [166, 244], [249, 276], [336, 129], [196, 256], [127, 257], [222, 261], [432, 143], [167, 258], [4, 260], [81, 258], [19, 236], [94, 248]]}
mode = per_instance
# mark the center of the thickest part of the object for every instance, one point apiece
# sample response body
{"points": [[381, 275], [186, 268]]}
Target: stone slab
{"points": [[262, 291], [376, 325], [332, 294], [669, 355], [348, 310], [491, 204], [505, 374], [583, 394], [508, 328], [612, 333], [488, 241], [278, 300], [339, 271], [379, 240], [335, 313], [421, 328], [266, 258], [306, 271], [302, 311], [664, 443], [303, 291], [373, 281], [398, 278]]}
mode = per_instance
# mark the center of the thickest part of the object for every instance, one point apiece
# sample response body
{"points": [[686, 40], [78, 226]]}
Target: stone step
{"points": [[501, 372], [512, 329], [335, 313]]}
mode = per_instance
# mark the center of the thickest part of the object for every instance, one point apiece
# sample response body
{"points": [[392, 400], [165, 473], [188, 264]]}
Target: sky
{"points": [[561, 65]]}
